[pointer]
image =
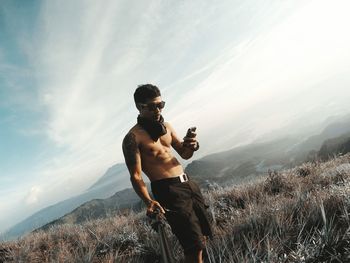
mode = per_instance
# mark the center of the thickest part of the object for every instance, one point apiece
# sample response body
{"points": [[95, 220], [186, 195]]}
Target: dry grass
{"points": [[298, 215]]}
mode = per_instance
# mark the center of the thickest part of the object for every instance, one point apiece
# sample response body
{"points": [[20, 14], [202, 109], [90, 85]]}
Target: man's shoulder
{"points": [[167, 124], [134, 128], [135, 131]]}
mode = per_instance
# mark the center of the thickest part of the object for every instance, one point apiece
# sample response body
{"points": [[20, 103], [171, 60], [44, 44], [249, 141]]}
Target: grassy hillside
{"points": [[295, 215]]}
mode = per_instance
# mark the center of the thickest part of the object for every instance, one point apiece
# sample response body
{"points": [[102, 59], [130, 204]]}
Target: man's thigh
{"points": [[186, 227], [181, 215]]}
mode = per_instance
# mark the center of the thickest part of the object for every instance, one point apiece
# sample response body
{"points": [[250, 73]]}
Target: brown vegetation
{"points": [[297, 215]]}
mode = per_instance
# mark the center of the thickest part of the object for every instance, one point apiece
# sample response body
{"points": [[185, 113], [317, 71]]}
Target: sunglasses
{"points": [[154, 106]]}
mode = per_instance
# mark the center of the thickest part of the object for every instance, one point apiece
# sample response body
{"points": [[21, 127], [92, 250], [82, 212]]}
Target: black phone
{"points": [[189, 131]]}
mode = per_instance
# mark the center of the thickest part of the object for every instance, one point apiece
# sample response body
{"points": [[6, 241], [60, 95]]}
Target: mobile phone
{"points": [[189, 131]]}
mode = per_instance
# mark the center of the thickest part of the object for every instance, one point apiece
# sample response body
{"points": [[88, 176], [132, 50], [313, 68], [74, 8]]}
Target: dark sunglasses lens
{"points": [[153, 106]]}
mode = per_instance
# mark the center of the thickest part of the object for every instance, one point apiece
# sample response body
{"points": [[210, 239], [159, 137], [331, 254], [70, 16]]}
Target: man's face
{"points": [[152, 108]]}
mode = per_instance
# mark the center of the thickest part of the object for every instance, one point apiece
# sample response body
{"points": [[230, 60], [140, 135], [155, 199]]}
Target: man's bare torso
{"points": [[157, 160]]}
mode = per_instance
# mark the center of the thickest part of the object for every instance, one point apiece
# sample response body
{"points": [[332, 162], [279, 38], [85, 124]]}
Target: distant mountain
{"points": [[313, 143], [241, 164], [335, 146], [245, 163], [116, 178], [100, 208]]}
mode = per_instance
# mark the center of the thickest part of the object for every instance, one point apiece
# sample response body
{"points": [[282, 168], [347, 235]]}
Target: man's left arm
{"points": [[184, 148]]}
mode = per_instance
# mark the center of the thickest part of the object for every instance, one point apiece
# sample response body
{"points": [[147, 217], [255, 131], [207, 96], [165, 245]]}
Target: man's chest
{"points": [[153, 148]]}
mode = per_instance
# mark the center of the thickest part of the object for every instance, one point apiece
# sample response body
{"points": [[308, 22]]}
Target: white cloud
{"points": [[262, 83], [11, 205], [33, 195], [87, 98]]}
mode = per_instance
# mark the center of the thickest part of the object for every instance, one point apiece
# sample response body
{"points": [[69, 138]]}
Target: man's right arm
{"points": [[133, 162]]}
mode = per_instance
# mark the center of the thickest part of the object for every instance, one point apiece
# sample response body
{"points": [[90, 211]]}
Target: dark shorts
{"points": [[187, 212]]}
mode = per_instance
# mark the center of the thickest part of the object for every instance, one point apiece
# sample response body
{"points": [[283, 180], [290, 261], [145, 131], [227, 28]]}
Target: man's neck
{"points": [[155, 128]]}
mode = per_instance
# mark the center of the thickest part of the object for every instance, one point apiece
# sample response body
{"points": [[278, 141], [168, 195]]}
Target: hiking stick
{"points": [[158, 224]]}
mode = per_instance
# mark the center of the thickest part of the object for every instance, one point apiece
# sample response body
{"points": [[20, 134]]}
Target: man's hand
{"points": [[190, 139], [152, 206]]}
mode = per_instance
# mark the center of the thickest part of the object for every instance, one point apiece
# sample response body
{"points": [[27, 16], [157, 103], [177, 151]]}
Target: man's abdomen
{"points": [[160, 169]]}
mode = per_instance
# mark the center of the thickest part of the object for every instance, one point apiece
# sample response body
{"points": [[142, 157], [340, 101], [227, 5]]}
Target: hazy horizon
{"points": [[238, 70]]}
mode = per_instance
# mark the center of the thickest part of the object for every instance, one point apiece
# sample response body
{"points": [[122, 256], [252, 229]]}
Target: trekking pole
{"points": [[158, 224], [206, 249]]}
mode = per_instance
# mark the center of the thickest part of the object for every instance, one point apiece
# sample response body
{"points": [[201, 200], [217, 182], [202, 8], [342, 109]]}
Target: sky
{"points": [[237, 70]]}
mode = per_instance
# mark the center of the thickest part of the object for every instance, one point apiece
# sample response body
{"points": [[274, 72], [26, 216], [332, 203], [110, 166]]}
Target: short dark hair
{"points": [[146, 92]]}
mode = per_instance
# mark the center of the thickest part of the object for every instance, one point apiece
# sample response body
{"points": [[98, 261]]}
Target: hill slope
{"points": [[295, 215], [335, 146], [100, 208]]}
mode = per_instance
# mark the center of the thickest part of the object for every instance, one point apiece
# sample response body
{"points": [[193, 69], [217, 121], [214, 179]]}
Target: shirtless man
{"points": [[147, 148]]}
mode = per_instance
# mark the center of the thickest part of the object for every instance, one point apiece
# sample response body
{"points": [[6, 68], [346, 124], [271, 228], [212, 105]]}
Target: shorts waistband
{"points": [[177, 179]]}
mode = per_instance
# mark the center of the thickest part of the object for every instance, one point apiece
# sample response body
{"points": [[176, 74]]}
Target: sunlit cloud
{"points": [[33, 195], [263, 82]]}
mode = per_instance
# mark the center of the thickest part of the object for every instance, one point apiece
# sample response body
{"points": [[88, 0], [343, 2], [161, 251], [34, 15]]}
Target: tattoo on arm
{"points": [[130, 148]]}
